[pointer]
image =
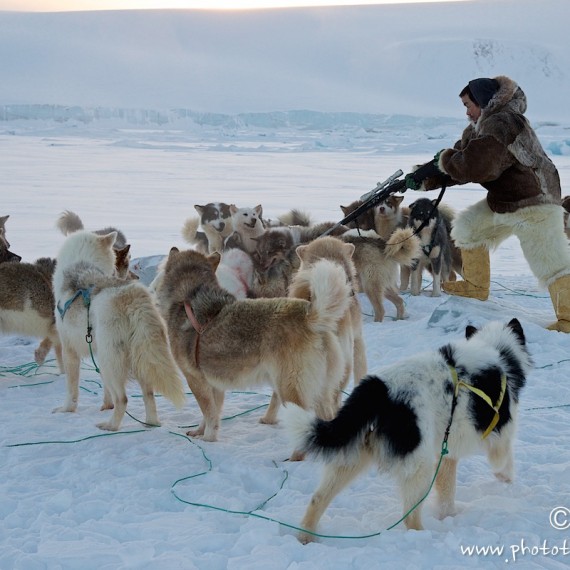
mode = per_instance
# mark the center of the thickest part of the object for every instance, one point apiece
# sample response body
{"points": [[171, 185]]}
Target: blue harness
{"points": [[85, 293]]}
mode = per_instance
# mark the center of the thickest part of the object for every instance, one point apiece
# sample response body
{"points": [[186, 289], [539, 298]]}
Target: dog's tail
{"points": [[295, 217], [69, 222], [191, 234], [366, 413], [330, 295], [403, 246], [151, 360], [190, 230]]}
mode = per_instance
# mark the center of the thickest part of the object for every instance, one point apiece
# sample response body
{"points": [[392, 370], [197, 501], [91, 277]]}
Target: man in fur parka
{"points": [[500, 150]]}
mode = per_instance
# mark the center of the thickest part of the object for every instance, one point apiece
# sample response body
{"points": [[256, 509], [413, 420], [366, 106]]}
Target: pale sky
{"points": [[79, 5]]}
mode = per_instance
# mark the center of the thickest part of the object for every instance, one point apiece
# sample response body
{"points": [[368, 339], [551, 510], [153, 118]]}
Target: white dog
{"points": [[118, 320]]}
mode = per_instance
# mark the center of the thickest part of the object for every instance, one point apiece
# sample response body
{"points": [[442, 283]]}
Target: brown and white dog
{"points": [[5, 254], [215, 219], [3, 220], [221, 343], [27, 305]]}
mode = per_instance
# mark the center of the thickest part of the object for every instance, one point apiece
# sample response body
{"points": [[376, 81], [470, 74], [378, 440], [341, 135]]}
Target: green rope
{"points": [[253, 514], [75, 440]]}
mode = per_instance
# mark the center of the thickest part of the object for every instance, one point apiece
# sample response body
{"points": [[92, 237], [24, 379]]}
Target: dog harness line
{"points": [[85, 293], [199, 330], [459, 383]]}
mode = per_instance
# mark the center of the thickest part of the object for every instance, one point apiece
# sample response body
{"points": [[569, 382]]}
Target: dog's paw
{"points": [[108, 426], [199, 434], [306, 538], [40, 356], [446, 511], [504, 477], [268, 421], [106, 406], [65, 408], [297, 456]]}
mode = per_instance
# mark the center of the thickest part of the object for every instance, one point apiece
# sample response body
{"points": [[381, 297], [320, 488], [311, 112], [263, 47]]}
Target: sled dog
{"points": [[27, 305], [275, 257], [215, 219], [3, 220], [247, 223], [118, 320], [389, 215], [378, 264], [435, 245], [235, 273], [69, 222], [397, 420], [349, 328], [221, 343], [6, 254]]}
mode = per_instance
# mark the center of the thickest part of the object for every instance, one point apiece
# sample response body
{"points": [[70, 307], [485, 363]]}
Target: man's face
{"points": [[473, 110]]}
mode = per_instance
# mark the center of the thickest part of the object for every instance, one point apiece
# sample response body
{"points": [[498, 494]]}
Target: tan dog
{"points": [[378, 264], [27, 304], [390, 215], [221, 343], [349, 330]]}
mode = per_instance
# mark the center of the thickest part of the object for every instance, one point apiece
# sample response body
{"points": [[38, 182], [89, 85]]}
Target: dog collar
{"points": [[85, 293], [460, 383]]}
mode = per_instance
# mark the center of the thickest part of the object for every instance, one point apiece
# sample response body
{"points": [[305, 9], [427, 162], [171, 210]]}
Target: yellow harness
{"points": [[459, 383]]}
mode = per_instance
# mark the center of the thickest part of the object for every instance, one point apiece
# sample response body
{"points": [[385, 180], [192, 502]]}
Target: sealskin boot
{"points": [[560, 295], [476, 275]]}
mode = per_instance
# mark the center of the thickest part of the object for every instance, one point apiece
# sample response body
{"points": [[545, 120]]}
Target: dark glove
{"points": [[414, 179]]}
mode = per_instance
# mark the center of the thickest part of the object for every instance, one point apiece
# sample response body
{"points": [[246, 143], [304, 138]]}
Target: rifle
{"points": [[383, 189]]}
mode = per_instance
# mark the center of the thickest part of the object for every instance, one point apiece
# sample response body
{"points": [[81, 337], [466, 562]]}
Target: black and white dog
{"points": [[398, 420], [435, 245]]}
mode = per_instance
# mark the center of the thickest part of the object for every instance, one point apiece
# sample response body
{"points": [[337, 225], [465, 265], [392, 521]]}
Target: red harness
{"points": [[199, 330]]}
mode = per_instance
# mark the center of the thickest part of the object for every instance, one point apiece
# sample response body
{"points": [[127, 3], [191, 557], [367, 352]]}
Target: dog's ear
{"points": [[173, 251], [301, 252], [434, 202], [516, 327], [470, 330], [349, 249], [233, 209], [108, 240], [345, 210], [199, 209], [258, 210], [124, 250], [214, 260], [398, 199]]}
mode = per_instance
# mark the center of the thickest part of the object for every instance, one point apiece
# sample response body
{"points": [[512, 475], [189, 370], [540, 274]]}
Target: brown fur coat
{"points": [[503, 154]]}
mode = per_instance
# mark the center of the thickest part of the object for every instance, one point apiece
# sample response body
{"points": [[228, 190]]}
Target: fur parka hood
{"points": [[503, 154]]}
